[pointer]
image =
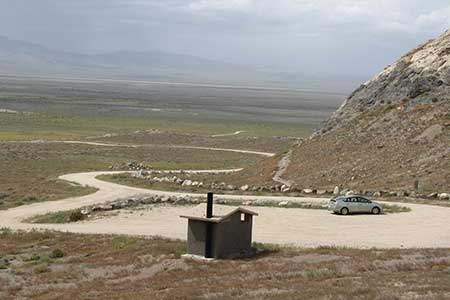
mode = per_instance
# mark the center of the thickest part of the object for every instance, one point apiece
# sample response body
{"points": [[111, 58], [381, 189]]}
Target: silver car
{"points": [[345, 205]]}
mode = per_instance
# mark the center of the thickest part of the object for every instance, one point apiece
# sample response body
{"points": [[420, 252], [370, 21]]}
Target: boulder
{"points": [[105, 207], [86, 211], [444, 196], [142, 173], [321, 192], [187, 182], [286, 189], [283, 204], [244, 188], [432, 195], [401, 194], [336, 191], [132, 201], [183, 199], [116, 205], [147, 200], [307, 191], [230, 187], [378, 194]]}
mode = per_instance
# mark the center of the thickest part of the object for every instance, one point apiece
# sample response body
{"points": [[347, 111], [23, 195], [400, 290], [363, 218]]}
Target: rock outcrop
{"points": [[392, 133], [420, 77]]}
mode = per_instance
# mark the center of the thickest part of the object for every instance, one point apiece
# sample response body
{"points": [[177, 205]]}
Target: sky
{"points": [[328, 37]]}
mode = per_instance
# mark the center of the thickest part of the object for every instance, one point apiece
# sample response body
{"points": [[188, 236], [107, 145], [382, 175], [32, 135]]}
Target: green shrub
{"points": [[76, 216], [42, 268], [45, 259], [57, 253], [4, 264], [33, 257]]}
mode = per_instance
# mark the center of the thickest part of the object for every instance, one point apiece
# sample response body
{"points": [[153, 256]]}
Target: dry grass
{"points": [[37, 166], [116, 267], [378, 151]]}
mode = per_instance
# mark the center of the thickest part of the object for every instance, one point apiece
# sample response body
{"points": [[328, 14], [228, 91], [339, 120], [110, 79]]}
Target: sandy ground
{"points": [[424, 227]]}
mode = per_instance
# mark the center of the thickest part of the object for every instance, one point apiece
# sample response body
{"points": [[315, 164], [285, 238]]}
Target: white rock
{"points": [[86, 211], [444, 196], [283, 203], [321, 192], [244, 188], [285, 189], [187, 182], [307, 191], [336, 190]]}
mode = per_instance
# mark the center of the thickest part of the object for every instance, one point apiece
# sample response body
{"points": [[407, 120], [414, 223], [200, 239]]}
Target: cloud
{"points": [[285, 34], [220, 5], [381, 15]]}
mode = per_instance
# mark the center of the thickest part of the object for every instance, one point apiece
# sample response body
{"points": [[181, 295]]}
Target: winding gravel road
{"points": [[260, 153], [424, 227]]}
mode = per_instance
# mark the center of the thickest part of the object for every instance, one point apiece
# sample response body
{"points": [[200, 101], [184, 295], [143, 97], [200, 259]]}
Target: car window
{"points": [[364, 200]]}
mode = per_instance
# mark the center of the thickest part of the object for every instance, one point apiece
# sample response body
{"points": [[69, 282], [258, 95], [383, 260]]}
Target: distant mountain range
{"points": [[25, 58]]}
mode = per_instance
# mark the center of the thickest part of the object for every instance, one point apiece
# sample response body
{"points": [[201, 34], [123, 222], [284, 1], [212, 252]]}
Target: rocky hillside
{"points": [[392, 133]]}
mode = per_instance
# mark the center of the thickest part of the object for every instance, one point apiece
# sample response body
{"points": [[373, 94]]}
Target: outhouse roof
{"points": [[221, 213]]}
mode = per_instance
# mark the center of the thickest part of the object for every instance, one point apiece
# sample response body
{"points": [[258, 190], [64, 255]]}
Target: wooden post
{"points": [[209, 225]]}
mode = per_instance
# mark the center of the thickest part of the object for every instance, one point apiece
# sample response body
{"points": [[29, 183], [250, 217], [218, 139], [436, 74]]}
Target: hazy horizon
{"points": [[344, 37]]}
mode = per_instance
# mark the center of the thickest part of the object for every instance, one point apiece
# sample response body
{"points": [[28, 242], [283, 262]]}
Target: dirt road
{"points": [[425, 226], [260, 153]]}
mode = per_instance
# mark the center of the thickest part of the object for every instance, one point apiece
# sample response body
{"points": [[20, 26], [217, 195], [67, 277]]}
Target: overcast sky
{"points": [[326, 36]]}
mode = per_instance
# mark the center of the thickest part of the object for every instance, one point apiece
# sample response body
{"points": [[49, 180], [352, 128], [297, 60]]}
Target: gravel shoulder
{"points": [[423, 227]]}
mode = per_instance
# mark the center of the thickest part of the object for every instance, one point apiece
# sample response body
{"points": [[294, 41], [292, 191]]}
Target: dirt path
{"points": [[283, 164], [424, 226], [228, 134], [266, 154]]}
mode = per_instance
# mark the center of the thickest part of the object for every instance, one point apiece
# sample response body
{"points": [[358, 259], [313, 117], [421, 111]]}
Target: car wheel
{"points": [[376, 211], [344, 211]]}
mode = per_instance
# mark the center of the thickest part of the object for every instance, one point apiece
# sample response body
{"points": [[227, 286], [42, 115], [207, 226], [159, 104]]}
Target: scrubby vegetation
{"points": [[117, 267]]}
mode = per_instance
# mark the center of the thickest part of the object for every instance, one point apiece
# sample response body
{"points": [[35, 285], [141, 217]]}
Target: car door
{"points": [[354, 205], [365, 205]]}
